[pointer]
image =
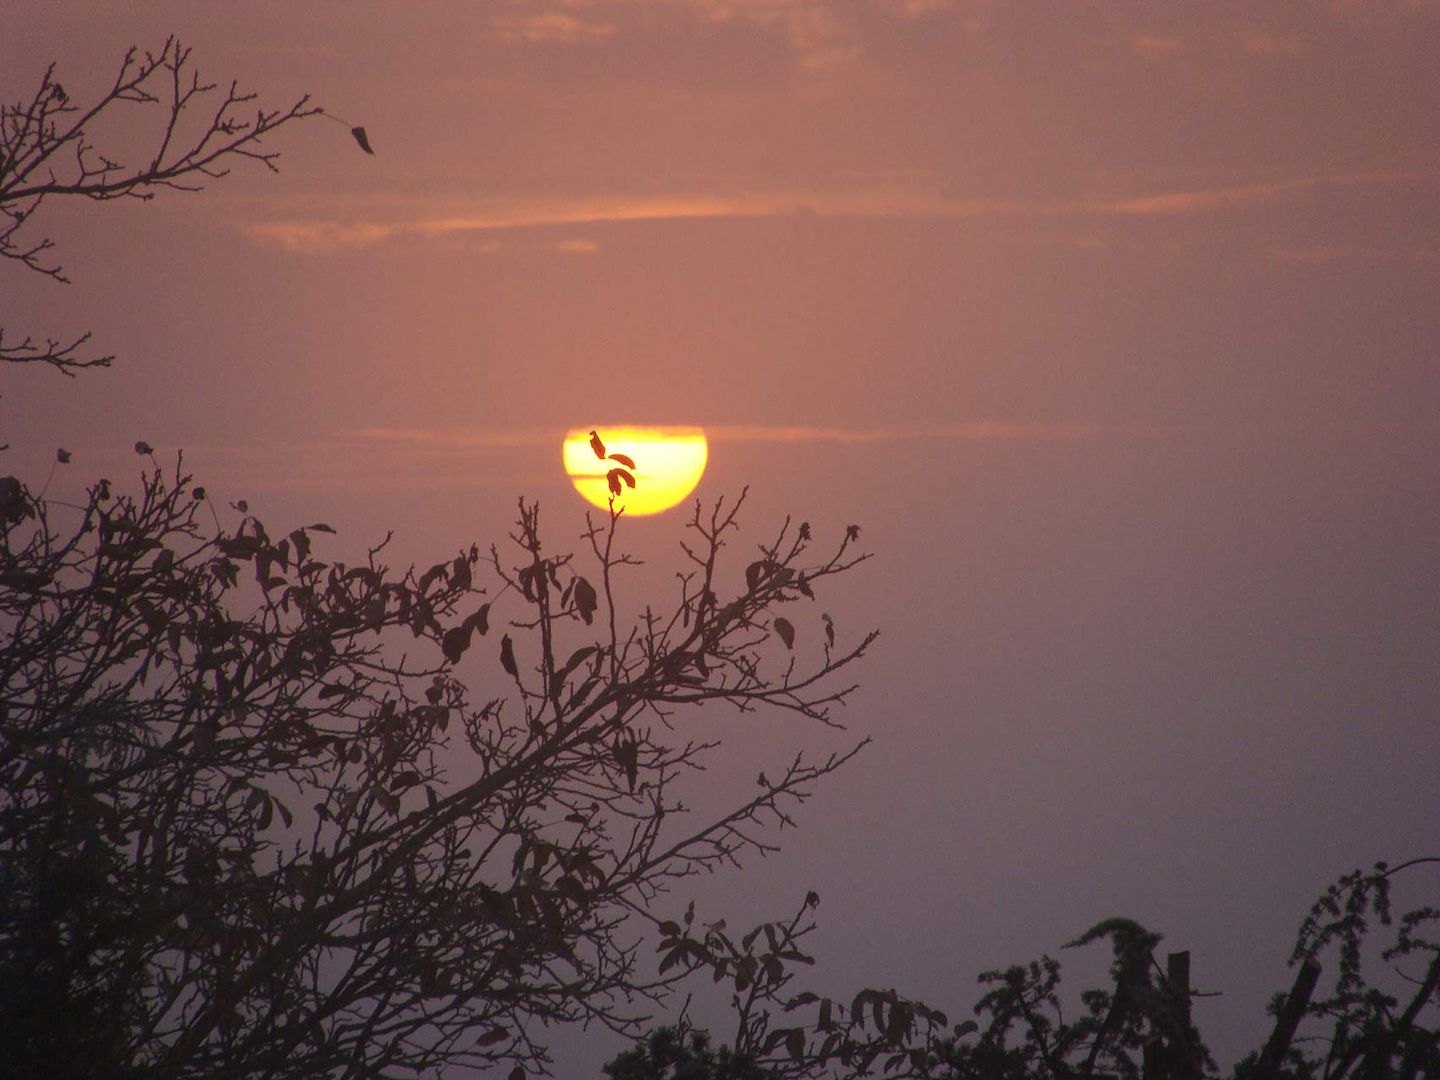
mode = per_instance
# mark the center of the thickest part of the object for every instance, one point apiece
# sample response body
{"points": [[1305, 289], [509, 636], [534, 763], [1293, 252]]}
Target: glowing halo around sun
{"points": [[669, 462]]}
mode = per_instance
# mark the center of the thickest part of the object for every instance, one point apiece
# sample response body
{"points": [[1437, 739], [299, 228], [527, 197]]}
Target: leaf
{"points": [[624, 459], [320, 526], [785, 630], [143, 447], [479, 621], [455, 642], [362, 139], [576, 658], [596, 444], [795, 1044], [852, 532], [517, 1073], [62, 456], [495, 1035], [460, 573], [585, 600], [829, 629], [627, 756], [614, 478], [507, 657], [754, 574]]}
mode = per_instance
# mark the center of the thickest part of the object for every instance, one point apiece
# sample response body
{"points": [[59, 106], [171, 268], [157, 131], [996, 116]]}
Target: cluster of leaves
{"points": [[681, 1053], [1367, 1027], [622, 475]]}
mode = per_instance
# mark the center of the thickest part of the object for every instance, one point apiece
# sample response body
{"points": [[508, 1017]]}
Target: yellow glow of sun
{"points": [[669, 462]]}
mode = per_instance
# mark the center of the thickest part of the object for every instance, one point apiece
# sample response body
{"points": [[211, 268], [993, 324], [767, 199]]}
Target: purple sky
{"points": [[1114, 325]]}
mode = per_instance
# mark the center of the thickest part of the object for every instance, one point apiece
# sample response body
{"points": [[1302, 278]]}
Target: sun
{"points": [[669, 462]]}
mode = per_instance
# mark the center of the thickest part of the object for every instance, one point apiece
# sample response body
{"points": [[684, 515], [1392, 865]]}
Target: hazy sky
{"points": [[1114, 325]]}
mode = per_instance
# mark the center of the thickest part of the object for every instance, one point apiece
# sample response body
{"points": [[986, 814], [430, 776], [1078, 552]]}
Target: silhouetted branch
{"points": [[48, 150]]}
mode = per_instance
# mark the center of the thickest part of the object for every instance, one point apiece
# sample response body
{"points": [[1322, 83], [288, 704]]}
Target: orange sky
{"points": [[1115, 326]]}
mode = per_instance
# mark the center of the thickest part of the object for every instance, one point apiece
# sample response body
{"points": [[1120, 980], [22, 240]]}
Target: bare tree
{"points": [[254, 824], [49, 150]]}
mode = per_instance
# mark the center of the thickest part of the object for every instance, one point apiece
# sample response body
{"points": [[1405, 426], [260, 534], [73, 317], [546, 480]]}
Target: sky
{"points": [[1114, 326]]}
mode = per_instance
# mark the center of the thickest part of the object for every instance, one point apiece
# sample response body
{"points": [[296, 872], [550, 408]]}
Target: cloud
{"points": [[552, 27], [1240, 195], [973, 431], [916, 196], [914, 9], [1153, 46], [1191, 202], [453, 438], [1261, 43]]}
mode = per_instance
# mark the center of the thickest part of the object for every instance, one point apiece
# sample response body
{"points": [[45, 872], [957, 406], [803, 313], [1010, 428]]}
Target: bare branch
{"points": [[49, 149]]}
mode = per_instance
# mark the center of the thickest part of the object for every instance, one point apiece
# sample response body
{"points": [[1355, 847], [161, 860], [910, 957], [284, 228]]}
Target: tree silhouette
{"points": [[253, 821], [49, 150], [248, 829], [1380, 1019]]}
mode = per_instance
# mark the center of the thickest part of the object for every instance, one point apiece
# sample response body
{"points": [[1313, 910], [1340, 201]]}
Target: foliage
{"points": [[679, 1053], [49, 149], [248, 829], [1138, 1025]]}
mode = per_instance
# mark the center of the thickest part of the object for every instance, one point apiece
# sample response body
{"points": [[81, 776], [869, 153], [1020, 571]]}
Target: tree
{"points": [[49, 150], [1137, 1026], [252, 820], [243, 831]]}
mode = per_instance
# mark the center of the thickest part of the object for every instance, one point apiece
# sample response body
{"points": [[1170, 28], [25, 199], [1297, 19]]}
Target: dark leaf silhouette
{"points": [[507, 656], [460, 573], [62, 456], [627, 756], [755, 574], [143, 447], [480, 621], [362, 139], [596, 444], [624, 459], [785, 630], [614, 478], [829, 629], [455, 642], [585, 600]]}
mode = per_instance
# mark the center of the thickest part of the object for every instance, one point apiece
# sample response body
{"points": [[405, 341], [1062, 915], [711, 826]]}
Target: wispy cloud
{"points": [[551, 27], [910, 197], [1153, 46], [1241, 195], [578, 245], [970, 431], [1260, 43]]}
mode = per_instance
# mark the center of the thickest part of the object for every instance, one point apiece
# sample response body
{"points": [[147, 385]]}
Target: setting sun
{"points": [[668, 463]]}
